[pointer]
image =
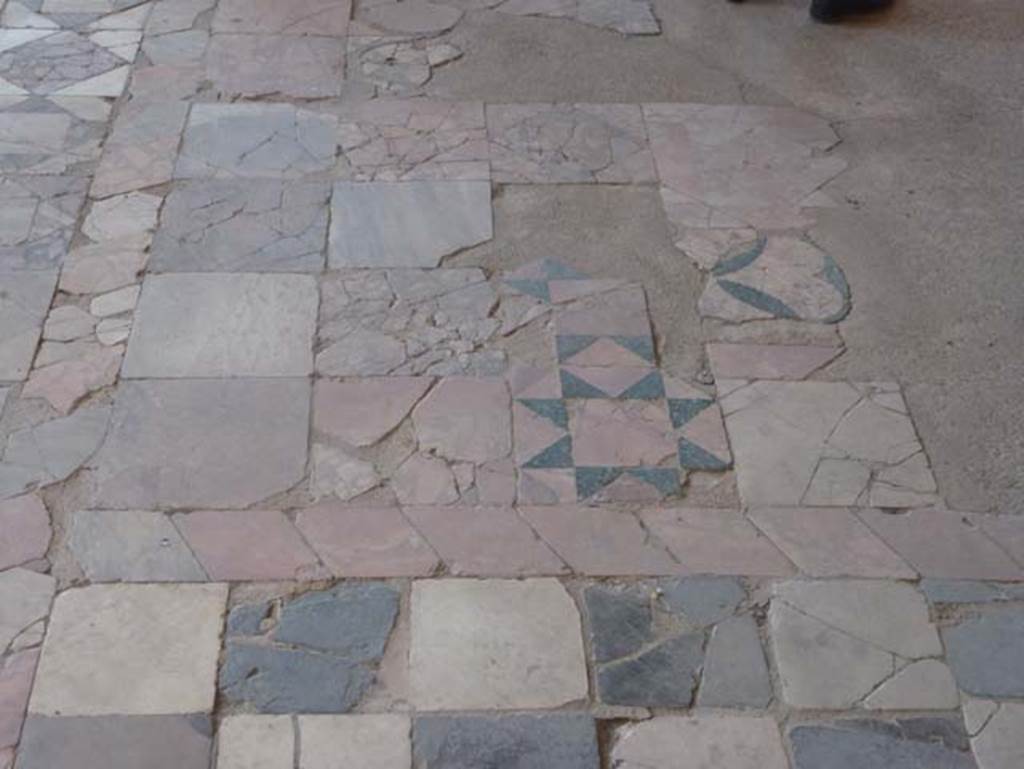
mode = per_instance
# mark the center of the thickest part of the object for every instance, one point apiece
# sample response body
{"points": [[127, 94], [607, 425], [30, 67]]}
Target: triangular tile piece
{"points": [[534, 382], [133, 18], [693, 457], [664, 479], [557, 455], [641, 346], [574, 387], [647, 389], [569, 345], [550, 408], [590, 480], [682, 410], [546, 487], [535, 288], [610, 381]]}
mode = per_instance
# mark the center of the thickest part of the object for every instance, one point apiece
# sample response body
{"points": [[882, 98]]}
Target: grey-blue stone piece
{"points": [[550, 741], [970, 591], [664, 676], [986, 652], [743, 257], [735, 671], [650, 388], [271, 679], [557, 455], [116, 742], [550, 408], [923, 743], [620, 621], [245, 620], [590, 480], [702, 600], [350, 620]]}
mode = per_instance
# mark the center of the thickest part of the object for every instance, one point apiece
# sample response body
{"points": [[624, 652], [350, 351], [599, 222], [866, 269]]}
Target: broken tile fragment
{"points": [[253, 66], [65, 383], [26, 597], [301, 17], [417, 17], [465, 418], [907, 743], [768, 361], [24, 530], [24, 301], [141, 148], [739, 742], [984, 650], [361, 412], [377, 740]]}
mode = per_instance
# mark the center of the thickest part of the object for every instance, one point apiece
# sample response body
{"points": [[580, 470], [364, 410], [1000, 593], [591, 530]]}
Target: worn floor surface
{"points": [[548, 384]]}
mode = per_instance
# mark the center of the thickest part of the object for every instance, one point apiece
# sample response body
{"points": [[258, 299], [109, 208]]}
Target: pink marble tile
{"points": [[943, 543], [829, 542], [599, 541], [15, 685], [24, 530], [247, 545], [496, 482], [533, 382], [622, 312], [768, 361], [362, 411], [546, 487], [466, 418], [608, 433], [484, 541], [716, 542], [1007, 530], [366, 541]]}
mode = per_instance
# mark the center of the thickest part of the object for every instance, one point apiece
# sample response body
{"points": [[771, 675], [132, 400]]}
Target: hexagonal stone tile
{"points": [[152, 650], [984, 651], [220, 325], [24, 299], [317, 656], [699, 741], [203, 443], [498, 644], [551, 741], [839, 644], [255, 226], [116, 742], [406, 224], [912, 743]]}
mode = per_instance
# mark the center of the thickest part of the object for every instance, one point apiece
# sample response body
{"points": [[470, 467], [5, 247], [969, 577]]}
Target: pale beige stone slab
{"points": [[701, 741], [495, 644], [363, 741], [131, 649]]}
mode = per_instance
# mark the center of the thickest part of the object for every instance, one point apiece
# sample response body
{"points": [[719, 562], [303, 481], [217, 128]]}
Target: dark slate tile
{"points": [[351, 620], [557, 741], [245, 620], [926, 743], [116, 742], [272, 679], [986, 652], [664, 676], [620, 622], [702, 600], [735, 671]]}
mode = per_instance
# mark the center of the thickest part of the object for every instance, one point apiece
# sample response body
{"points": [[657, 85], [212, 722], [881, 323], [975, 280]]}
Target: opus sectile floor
{"points": [[289, 480]]}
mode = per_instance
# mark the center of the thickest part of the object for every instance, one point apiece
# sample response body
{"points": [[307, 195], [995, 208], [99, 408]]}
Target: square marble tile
{"points": [[152, 650], [223, 325]]}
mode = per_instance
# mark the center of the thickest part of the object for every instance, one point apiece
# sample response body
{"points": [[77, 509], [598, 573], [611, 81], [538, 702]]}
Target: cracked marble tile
{"points": [[726, 167], [141, 148], [413, 139], [294, 18], [630, 17], [24, 300], [564, 143], [407, 322], [411, 17], [253, 226], [66, 63], [37, 219], [854, 643], [275, 65], [59, 135], [224, 141], [397, 65], [776, 277], [826, 444], [938, 742]]}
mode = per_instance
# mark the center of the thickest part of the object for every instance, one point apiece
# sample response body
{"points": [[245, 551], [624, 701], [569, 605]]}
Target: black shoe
{"points": [[828, 11]]}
